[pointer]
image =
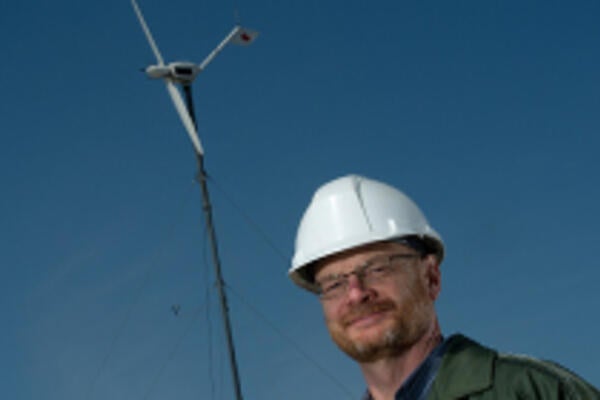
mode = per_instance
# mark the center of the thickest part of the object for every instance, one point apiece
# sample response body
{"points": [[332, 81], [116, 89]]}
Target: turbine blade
{"points": [[220, 47], [148, 34], [184, 114]]}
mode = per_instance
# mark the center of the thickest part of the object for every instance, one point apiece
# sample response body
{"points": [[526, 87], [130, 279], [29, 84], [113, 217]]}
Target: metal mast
{"points": [[210, 227], [184, 73]]}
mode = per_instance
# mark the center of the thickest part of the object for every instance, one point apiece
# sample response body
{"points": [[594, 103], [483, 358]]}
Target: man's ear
{"points": [[433, 275]]}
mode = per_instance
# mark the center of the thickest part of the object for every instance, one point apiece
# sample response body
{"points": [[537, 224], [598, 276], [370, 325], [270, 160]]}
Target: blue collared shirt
{"points": [[417, 386]]}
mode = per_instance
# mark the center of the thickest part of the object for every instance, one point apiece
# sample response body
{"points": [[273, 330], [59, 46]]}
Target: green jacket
{"points": [[471, 371]]}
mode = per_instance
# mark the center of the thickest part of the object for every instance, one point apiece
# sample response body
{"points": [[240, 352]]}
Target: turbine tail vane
{"points": [[244, 37], [148, 34]]}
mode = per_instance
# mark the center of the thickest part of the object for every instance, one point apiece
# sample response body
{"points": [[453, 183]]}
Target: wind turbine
{"points": [[184, 73]]}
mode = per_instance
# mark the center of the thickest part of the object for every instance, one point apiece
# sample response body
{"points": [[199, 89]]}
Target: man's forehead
{"points": [[351, 258]]}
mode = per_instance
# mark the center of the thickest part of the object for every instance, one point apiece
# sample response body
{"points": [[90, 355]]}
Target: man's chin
{"points": [[370, 352], [369, 346], [367, 337]]}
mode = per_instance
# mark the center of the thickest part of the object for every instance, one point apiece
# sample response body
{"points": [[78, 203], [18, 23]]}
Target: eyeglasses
{"points": [[373, 271]]}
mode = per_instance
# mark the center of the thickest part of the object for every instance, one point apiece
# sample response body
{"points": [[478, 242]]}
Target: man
{"points": [[369, 253]]}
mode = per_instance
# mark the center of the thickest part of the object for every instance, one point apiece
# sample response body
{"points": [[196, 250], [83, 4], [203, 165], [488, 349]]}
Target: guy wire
{"points": [[261, 233], [136, 297], [288, 339]]}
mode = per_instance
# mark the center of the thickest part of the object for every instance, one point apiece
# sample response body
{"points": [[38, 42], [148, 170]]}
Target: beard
{"points": [[401, 328]]}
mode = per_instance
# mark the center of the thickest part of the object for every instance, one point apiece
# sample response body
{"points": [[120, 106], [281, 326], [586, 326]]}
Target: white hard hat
{"points": [[353, 211]]}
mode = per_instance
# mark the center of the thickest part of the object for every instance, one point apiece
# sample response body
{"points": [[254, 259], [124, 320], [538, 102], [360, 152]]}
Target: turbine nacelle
{"points": [[179, 71]]}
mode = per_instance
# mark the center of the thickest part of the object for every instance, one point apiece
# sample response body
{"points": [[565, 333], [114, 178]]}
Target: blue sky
{"points": [[485, 113]]}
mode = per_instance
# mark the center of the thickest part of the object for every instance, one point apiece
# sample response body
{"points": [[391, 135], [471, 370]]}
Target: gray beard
{"points": [[396, 340], [390, 344]]}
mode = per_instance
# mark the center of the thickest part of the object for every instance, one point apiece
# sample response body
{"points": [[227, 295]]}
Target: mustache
{"points": [[362, 310]]}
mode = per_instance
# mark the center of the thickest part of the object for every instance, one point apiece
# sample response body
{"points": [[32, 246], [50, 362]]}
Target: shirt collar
{"points": [[419, 382]]}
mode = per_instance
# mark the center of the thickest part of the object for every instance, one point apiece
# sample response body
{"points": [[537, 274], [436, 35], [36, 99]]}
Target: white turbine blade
{"points": [[218, 49], [184, 114], [148, 34]]}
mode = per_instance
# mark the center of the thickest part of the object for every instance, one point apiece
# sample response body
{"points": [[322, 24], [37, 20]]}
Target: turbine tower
{"points": [[183, 73]]}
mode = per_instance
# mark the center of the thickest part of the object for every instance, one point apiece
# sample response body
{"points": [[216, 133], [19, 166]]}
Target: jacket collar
{"points": [[467, 367]]}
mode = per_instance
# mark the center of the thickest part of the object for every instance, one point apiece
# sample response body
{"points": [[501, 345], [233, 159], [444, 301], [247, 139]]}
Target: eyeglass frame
{"points": [[363, 273]]}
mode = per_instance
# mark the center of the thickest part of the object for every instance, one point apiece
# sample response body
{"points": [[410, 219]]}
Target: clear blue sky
{"points": [[486, 113]]}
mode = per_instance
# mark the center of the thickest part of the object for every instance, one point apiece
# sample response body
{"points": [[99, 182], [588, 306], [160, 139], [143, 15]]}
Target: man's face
{"points": [[383, 318]]}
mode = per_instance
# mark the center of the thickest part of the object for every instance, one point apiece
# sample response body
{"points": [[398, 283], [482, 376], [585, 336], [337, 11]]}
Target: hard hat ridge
{"points": [[352, 211], [357, 180]]}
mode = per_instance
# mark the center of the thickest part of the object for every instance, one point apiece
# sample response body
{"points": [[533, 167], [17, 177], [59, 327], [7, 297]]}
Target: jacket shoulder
{"points": [[534, 378], [470, 370]]}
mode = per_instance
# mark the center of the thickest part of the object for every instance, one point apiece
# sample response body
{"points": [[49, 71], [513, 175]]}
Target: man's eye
{"points": [[377, 270], [331, 286]]}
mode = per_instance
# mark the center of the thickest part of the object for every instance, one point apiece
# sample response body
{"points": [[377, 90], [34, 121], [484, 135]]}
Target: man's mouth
{"points": [[367, 315]]}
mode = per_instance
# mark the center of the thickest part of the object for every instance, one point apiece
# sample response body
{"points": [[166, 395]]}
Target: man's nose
{"points": [[357, 290]]}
